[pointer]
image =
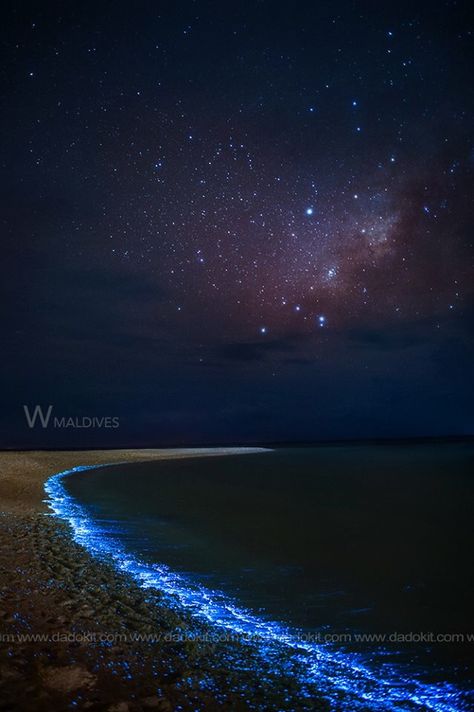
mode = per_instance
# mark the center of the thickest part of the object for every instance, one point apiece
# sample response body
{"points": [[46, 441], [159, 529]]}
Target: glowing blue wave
{"points": [[348, 684]]}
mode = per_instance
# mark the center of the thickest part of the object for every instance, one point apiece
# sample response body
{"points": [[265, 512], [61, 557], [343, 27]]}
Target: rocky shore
{"points": [[76, 634]]}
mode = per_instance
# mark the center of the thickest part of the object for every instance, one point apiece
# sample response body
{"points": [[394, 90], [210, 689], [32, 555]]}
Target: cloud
{"points": [[254, 350], [391, 338]]}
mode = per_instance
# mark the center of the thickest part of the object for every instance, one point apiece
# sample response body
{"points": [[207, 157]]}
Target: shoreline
{"points": [[85, 634], [24, 473], [75, 633]]}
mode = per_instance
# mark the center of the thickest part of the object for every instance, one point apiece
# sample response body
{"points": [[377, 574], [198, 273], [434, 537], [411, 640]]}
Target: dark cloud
{"points": [[256, 350], [388, 339]]}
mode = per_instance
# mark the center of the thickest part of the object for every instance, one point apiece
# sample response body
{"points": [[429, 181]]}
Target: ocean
{"points": [[363, 550]]}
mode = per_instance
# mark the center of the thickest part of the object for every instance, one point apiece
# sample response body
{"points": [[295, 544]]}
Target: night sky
{"points": [[237, 222]]}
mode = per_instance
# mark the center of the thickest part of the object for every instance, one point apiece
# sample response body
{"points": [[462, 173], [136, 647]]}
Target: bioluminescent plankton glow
{"points": [[347, 682]]}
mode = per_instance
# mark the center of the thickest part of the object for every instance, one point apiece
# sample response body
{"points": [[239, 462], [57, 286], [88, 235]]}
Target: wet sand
{"points": [[76, 634]]}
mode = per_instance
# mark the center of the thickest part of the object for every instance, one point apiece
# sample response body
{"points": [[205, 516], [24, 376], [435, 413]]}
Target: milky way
{"points": [[206, 187], [267, 190]]}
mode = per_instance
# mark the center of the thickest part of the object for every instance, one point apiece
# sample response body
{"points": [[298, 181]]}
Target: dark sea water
{"points": [[330, 540]]}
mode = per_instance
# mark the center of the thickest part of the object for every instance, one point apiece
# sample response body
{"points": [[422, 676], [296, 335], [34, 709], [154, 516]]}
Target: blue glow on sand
{"points": [[339, 676]]}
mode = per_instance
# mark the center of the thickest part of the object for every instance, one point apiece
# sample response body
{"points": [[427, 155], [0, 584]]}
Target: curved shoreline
{"points": [[23, 473], [77, 633], [346, 683]]}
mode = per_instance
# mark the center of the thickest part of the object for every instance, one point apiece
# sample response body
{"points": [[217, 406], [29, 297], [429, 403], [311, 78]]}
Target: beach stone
{"points": [[9, 673], [68, 678], [119, 707], [157, 703]]}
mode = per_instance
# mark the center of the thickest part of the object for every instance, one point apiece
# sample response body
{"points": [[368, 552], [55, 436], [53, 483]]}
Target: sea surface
{"points": [[336, 544]]}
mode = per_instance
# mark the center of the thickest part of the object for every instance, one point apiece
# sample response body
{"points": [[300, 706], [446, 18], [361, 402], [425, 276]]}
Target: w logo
{"points": [[37, 414]]}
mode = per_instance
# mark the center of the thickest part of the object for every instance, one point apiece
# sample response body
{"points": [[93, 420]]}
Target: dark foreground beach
{"points": [[75, 634]]}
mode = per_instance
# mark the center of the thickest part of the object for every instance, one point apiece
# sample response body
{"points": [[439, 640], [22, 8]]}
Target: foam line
{"points": [[340, 676]]}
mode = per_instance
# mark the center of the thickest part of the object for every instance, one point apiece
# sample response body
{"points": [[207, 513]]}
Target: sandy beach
{"points": [[23, 474], [76, 634]]}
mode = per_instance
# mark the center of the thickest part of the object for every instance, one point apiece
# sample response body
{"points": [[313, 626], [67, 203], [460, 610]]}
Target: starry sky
{"points": [[237, 222]]}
